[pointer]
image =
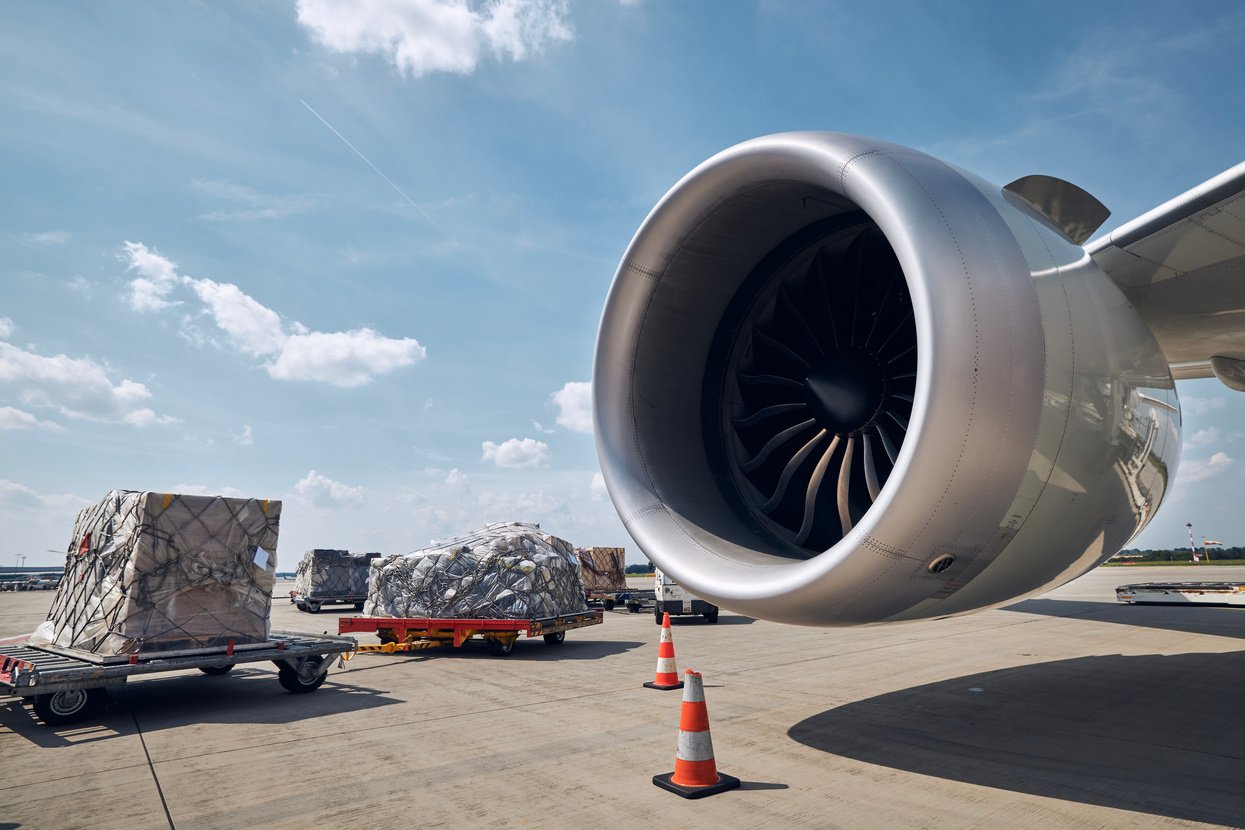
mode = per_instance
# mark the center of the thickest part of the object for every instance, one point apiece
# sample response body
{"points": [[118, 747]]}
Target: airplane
{"points": [[840, 382]]}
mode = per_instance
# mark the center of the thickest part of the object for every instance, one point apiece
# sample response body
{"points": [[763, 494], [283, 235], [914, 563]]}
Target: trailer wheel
{"points": [[633, 607], [556, 638], [358, 606], [59, 708], [386, 635], [609, 603], [307, 679], [499, 647], [313, 607], [216, 671], [711, 616], [657, 615]]}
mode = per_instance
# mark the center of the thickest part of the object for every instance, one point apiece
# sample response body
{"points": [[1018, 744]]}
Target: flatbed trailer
{"points": [[634, 600], [1182, 593], [66, 686], [312, 603], [400, 634]]}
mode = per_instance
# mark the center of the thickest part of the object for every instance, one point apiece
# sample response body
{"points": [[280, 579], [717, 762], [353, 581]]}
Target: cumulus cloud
{"points": [[518, 453], [1196, 469], [597, 488], [457, 478], [245, 438], [322, 491], [574, 403], [1202, 406], [75, 387], [287, 350], [6, 328], [11, 418], [422, 36], [15, 496], [203, 490]]}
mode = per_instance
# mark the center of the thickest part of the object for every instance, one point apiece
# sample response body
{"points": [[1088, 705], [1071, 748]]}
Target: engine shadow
{"points": [[1148, 734], [243, 696], [1196, 619]]}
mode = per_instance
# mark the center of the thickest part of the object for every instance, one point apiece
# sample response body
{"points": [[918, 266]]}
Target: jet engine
{"points": [[839, 382]]}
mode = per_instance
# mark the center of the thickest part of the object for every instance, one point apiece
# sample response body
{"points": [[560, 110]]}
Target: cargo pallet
{"points": [[401, 634], [311, 603], [1182, 593], [67, 686]]}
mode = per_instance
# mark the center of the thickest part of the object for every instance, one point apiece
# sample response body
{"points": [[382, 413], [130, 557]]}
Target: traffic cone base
{"points": [[661, 687], [725, 782]]}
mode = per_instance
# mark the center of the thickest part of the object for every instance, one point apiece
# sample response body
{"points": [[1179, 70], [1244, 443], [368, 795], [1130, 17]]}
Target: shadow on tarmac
{"points": [[1149, 734], [243, 696], [1194, 619]]}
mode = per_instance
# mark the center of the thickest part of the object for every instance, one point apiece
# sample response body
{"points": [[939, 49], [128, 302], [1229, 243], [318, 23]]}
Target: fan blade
{"points": [[845, 479], [774, 443], [871, 472], [886, 444], [769, 412], [810, 494], [789, 471]]}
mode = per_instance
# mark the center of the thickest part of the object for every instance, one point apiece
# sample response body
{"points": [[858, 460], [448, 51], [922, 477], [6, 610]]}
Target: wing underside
{"points": [[1182, 265]]}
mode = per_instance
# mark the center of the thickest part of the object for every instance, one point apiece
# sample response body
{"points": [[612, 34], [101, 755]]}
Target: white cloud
{"points": [[422, 36], [15, 496], [157, 277], [457, 478], [322, 491], [245, 438], [251, 204], [518, 453], [1202, 406], [6, 328], [290, 351], [597, 488], [349, 358], [75, 387], [202, 490], [47, 238], [1211, 436], [574, 402], [1193, 469], [11, 418]]}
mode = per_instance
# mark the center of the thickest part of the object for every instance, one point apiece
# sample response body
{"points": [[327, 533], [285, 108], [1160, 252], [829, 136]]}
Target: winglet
{"points": [[1074, 212]]}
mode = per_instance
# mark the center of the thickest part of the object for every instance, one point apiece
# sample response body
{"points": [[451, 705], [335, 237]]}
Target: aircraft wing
{"points": [[1182, 265]]}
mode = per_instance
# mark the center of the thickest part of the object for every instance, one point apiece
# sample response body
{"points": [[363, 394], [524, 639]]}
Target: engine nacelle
{"points": [[839, 381]]}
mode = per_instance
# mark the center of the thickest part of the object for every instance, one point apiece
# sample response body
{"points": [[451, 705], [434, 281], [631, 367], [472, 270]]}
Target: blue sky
{"points": [[353, 255]]}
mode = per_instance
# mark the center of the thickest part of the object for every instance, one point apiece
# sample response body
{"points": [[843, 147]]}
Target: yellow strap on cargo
{"points": [[168, 499]]}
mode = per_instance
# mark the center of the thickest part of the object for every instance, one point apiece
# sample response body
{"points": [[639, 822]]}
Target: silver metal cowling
{"points": [[985, 401]]}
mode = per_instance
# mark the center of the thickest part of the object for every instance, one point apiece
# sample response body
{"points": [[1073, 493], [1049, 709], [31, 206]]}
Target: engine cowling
{"points": [[839, 381]]}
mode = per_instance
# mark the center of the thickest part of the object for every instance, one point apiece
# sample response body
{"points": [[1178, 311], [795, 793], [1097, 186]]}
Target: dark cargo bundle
{"points": [[603, 569], [161, 572], [333, 573], [502, 571]]}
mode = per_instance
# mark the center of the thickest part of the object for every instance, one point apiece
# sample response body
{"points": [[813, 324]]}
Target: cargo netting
{"points": [[333, 573], [160, 572], [502, 571], [603, 569]]}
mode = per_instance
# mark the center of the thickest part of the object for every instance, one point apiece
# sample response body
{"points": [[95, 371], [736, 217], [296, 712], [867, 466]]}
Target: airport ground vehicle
{"points": [[634, 600], [312, 604], [1182, 593], [413, 634], [67, 686], [675, 600]]}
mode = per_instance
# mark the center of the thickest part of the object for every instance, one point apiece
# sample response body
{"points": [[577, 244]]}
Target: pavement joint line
{"points": [[159, 790]]}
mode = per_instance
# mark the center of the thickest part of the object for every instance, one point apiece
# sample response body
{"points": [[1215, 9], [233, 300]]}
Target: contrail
{"points": [[346, 141]]}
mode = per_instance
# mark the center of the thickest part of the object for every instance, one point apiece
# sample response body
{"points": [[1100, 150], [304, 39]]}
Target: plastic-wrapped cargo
{"points": [[325, 572], [603, 569], [502, 571], [163, 572]]}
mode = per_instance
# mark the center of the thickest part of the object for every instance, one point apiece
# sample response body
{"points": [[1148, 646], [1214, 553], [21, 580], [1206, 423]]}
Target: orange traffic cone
{"points": [[667, 676], [695, 771]]}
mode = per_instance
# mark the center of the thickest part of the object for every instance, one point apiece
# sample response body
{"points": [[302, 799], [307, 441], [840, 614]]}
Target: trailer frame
{"points": [[66, 687], [403, 634]]}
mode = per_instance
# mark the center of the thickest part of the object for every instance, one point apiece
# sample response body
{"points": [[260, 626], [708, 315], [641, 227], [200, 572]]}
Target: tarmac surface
{"points": [[1067, 711]]}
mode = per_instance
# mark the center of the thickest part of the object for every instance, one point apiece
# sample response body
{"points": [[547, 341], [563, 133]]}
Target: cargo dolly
{"points": [[634, 600], [1182, 593], [312, 602], [67, 686], [398, 634]]}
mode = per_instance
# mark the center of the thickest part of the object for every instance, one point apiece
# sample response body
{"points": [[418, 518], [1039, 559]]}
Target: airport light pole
{"points": [[1192, 547]]}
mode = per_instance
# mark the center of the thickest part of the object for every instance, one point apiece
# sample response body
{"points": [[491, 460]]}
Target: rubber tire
{"points": [[711, 616], [292, 682], [500, 648], [609, 605], [657, 616], [313, 607], [216, 671], [557, 638], [358, 606], [60, 708], [386, 636], [634, 607]]}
